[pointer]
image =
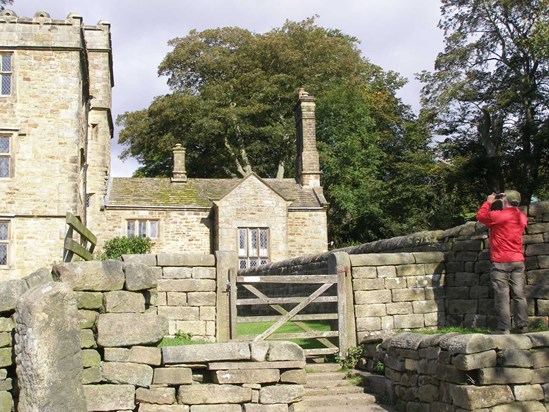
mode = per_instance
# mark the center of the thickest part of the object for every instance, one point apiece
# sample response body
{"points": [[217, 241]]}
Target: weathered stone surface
{"points": [[6, 384], [297, 376], [172, 376], [475, 397], [406, 341], [382, 259], [121, 301], [91, 276], [186, 285], [528, 392], [148, 259], [530, 406], [281, 394], [91, 375], [468, 344], [147, 355], [475, 360], [90, 357], [87, 318], [87, 339], [216, 408], [6, 357], [256, 407], [48, 347], [259, 350], [110, 397], [284, 351], [6, 402], [126, 372], [515, 357], [246, 376], [156, 395], [6, 324], [540, 375], [495, 376], [39, 277], [147, 407], [206, 352], [212, 394], [139, 277], [540, 358], [512, 341], [89, 300], [116, 354], [451, 374], [187, 259], [539, 339], [127, 329], [10, 292]]}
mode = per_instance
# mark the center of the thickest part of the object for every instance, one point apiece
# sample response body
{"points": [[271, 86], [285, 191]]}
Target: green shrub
{"points": [[124, 245]]}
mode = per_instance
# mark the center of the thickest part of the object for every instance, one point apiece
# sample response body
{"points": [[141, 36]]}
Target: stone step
{"points": [[339, 390], [322, 367], [311, 403]]}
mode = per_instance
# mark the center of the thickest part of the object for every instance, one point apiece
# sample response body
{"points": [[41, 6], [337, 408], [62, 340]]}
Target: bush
{"points": [[124, 245]]}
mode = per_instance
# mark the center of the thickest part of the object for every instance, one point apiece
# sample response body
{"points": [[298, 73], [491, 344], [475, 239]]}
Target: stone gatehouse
{"points": [[55, 135]]}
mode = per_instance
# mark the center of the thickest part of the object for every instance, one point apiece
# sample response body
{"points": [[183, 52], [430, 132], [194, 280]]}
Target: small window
{"points": [[4, 242], [5, 156], [143, 228], [5, 74], [253, 247]]}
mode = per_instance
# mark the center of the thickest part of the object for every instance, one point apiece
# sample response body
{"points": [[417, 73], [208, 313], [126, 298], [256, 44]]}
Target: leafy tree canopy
{"points": [[488, 96], [231, 106]]}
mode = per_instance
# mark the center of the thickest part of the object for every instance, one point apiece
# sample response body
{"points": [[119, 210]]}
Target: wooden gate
{"points": [[327, 289]]}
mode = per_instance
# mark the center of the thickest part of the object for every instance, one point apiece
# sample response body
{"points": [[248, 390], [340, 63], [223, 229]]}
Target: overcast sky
{"points": [[399, 35]]}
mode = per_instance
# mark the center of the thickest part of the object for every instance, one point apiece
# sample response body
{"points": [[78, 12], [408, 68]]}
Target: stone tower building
{"points": [[55, 132]]}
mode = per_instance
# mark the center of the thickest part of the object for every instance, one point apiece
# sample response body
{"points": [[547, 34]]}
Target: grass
{"points": [[450, 329]]}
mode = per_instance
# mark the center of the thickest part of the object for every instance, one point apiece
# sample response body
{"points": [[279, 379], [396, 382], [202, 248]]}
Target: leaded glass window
{"points": [[4, 238], [253, 247], [143, 228], [5, 73], [5, 156]]}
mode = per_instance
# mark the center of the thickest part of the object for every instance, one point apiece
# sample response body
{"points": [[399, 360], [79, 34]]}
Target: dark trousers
{"points": [[508, 280]]}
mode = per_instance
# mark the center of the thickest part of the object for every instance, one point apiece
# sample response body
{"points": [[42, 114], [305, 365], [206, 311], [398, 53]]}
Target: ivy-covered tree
{"points": [[488, 96]]}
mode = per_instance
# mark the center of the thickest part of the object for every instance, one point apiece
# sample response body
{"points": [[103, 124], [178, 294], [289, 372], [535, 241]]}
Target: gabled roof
{"points": [[161, 192]]}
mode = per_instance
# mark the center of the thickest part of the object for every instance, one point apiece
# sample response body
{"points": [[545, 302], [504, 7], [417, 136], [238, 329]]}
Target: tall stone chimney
{"points": [[179, 174], [307, 162]]}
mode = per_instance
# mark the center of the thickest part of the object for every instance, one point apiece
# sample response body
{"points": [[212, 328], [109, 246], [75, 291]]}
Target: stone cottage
{"points": [[55, 134]]}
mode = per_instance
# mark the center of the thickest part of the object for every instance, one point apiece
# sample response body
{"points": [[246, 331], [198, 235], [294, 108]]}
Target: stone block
{"points": [[177, 273], [419, 281], [410, 270], [540, 375], [259, 350], [145, 355], [281, 394], [201, 298], [429, 257], [214, 366], [126, 372], [515, 358], [486, 359], [256, 407], [116, 354], [156, 395], [499, 375], [139, 277], [179, 312], [377, 309], [462, 306], [457, 292], [400, 308], [193, 327], [246, 376], [128, 329], [148, 259], [10, 292], [297, 376], [213, 394], [48, 346], [6, 401], [540, 358], [87, 339], [284, 351], [6, 324], [365, 272], [450, 374], [186, 285], [199, 272], [94, 275], [382, 259], [187, 259], [386, 272], [91, 375], [427, 306], [172, 376], [175, 299], [528, 392], [408, 321], [467, 344], [395, 283], [372, 296], [87, 318], [110, 397], [5, 339], [539, 339], [368, 284], [476, 397], [89, 300], [408, 295], [208, 313], [6, 385], [206, 352], [217, 408], [369, 323], [90, 357]]}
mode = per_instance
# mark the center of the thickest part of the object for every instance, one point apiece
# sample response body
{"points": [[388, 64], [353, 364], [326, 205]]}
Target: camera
{"points": [[500, 196]]}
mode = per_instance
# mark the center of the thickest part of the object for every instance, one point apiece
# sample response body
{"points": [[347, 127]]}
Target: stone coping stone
{"points": [[467, 344], [189, 259], [130, 329], [539, 339], [110, 397], [206, 353], [382, 259], [406, 341], [94, 275], [257, 365]]}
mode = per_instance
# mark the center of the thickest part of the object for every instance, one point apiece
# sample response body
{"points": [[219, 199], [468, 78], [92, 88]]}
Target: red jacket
{"points": [[506, 229]]}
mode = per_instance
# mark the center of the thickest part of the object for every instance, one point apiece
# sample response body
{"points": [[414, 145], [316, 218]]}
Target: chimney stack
{"points": [[179, 174], [307, 162]]}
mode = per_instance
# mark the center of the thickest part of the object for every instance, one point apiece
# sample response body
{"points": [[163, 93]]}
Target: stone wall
{"points": [[121, 366], [454, 372]]}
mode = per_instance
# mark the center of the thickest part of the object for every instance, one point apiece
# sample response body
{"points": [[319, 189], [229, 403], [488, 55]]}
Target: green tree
{"points": [[487, 97], [231, 106]]}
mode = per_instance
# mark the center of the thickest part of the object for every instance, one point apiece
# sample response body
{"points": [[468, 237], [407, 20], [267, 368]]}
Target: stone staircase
{"points": [[329, 389]]}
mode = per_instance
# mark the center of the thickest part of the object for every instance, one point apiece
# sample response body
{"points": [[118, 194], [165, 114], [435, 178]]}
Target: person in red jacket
{"points": [[507, 256]]}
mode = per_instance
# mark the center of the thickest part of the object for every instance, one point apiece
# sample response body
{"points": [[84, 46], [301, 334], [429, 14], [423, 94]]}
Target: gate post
{"points": [[226, 261], [339, 263]]}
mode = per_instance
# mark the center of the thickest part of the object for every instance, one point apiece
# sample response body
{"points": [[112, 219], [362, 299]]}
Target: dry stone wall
{"points": [[453, 372], [120, 366]]}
